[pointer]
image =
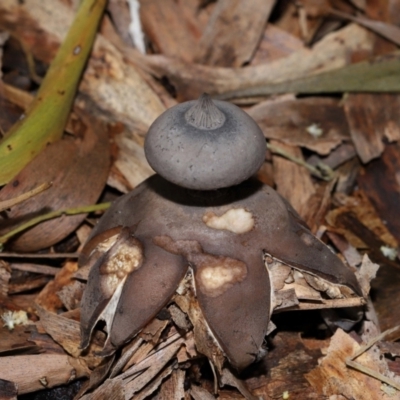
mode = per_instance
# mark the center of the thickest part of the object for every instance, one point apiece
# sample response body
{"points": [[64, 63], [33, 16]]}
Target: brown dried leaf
{"points": [[318, 205], [372, 118], [359, 205], [191, 80], [67, 333], [168, 30], [78, 169], [205, 344], [233, 32], [71, 295], [386, 288], [379, 180], [227, 378], [17, 342], [293, 121], [286, 362], [293, 181], [388, 31], [366, 273], [349, 252], [120, 15], [48, 298], [111, 83], [392, 348], [130, 162], [275, 43], [333, 377]]}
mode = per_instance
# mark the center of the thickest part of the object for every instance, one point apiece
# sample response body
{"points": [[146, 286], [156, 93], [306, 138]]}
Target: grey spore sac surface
{"points": [[225, 148]]}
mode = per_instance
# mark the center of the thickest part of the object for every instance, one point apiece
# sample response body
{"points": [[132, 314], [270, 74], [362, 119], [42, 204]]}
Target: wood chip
{"points": [[35, 268], [5, 275], [48, 297], [67, 333], [173, 388], [35, 372]]}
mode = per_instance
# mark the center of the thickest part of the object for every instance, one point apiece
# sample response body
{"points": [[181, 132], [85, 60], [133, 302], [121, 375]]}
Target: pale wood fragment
{"points": [[5, 275], [35, 372], [227, 378], [67, 333], [48, 298], [35, 268], [173, 387], [151, 366]]}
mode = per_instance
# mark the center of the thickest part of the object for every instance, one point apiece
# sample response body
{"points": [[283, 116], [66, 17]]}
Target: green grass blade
{"points": [[379, 75], [46, 118]]}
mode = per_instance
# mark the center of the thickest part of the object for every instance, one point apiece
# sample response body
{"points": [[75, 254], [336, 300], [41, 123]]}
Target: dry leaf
{"points": [[333, 377], [78, 170], [292, 180], [112, 84], [165, 25], [233, 32], [191, 80], [291, 121], [373, 118], [380, 182]]}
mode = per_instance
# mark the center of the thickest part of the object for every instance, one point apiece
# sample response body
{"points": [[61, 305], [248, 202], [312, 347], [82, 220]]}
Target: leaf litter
{"points": [[290, 49]]}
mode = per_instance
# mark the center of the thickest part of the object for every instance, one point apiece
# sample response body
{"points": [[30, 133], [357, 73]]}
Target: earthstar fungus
{"points": [[203, 211]]}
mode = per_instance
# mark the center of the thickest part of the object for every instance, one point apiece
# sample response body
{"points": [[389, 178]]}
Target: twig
{"points": [[24, 196], [368, 371], [51, 215], [39, 255], [35, 268], [321, 171]]}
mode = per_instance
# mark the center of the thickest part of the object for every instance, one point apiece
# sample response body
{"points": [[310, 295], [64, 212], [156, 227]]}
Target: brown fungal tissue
{"points": [[203, 211]]}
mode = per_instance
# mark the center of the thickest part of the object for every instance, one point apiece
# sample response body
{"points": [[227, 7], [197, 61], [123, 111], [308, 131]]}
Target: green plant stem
{"points": [[51, 215], [45, 119], [322, 171]]}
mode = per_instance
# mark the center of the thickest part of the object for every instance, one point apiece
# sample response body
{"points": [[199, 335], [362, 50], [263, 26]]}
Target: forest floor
{"points": [[321, 79]]}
